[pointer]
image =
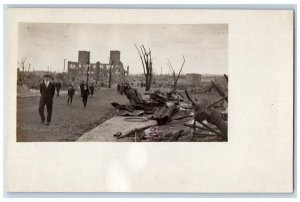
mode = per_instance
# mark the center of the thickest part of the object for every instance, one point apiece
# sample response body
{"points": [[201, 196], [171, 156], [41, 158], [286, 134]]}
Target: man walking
{"points": [[85, 94], [92, 90], [71, 92], [47, 90], [58, 87]]}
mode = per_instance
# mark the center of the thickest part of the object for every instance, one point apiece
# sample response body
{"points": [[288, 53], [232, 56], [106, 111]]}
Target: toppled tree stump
{"points": [[133, 96]]}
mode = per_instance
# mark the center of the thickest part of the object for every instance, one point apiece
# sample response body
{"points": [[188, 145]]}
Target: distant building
{"points": [[97, 72], [115, 57], [212, 77], [84, 57], [195, 79]]}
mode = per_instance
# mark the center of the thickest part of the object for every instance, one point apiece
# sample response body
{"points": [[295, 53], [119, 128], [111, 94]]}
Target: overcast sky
{"points": [[205, 47]]}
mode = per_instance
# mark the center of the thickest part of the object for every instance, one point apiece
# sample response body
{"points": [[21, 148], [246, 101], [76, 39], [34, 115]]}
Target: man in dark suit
{"points": [[58, 87], [92, 90], [85, 94], [47, 89]]}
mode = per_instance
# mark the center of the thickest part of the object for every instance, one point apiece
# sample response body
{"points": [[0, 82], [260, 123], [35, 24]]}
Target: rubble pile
{"points": [[178, 117]]}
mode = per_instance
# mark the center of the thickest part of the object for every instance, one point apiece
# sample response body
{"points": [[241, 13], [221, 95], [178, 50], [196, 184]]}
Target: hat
{"points": [[47, 75]]}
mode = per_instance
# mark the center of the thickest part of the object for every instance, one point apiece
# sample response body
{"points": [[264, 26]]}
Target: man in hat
{"points": [[85, 94], [71, 92], [92, 90], [47, 90], [58, 87]]}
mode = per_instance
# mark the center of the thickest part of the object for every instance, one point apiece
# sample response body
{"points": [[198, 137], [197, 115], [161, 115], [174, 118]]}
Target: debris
{"points": [[176, 135], [185, 138], [123, 112], [162, 115], [226, 77], [118, 134], [213, 117], [171, 111], [122, 107], [216, 102], [132, 132], [158, 96], [133, 96], [195, 126], [136, 119], [219, 90], [185, 105], [180, 114], [152, 132]]}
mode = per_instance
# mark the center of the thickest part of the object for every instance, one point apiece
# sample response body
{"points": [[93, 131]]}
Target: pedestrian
{"points": [[81, 87], [92, 90], [47, 90], [71, 92], [58, 87], [85, 94]]}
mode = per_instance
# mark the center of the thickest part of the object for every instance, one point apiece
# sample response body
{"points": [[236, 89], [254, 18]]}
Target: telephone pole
{"points": [[64, 65], [87, 75]]}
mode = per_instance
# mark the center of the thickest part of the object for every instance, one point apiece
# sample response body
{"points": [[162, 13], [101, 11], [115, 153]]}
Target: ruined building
{"points": [[97, 72]]}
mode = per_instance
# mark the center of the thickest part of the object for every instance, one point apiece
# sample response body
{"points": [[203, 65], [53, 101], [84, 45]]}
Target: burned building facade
{"points": [[97, 72]]}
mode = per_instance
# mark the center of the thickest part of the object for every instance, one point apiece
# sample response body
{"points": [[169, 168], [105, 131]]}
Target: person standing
{"points": [[47, 90], [58, 87], [81, 87], [71, 92], [85, 94], [92, 90]]}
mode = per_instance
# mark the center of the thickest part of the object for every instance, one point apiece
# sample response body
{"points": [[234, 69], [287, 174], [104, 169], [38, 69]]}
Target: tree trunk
{"points": [[109, 81], [147, 82], [175, 87]]}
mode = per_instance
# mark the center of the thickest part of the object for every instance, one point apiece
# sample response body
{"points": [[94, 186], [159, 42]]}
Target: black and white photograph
{"points": [[122, 83], [136, 100]]}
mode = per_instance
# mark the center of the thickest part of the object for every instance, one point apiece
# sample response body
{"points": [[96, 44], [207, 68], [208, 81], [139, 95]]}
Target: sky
{"points": [[204, 46]]}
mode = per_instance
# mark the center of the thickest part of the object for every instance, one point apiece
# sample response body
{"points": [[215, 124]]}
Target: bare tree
{"points": [[175, 78], [146, 60], [109, 78], [111, 62], [22, 64]]}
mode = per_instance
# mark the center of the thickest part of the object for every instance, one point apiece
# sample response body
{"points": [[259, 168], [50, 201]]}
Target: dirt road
{"points": [[68, 122]]}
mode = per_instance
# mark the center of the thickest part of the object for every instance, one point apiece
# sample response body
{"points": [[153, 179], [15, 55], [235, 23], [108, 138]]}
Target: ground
{"points": [[68, 122], [71, 122]]}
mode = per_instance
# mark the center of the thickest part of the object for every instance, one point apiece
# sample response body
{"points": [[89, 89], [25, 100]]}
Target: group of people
{"points": [[47, 90], [122, 87], [85, 91]]}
